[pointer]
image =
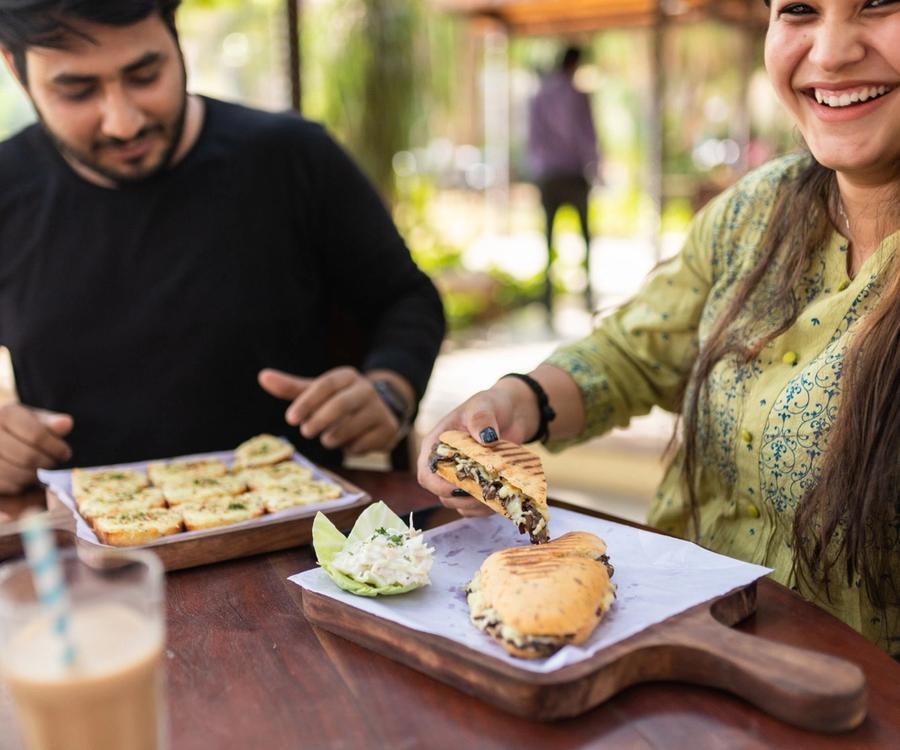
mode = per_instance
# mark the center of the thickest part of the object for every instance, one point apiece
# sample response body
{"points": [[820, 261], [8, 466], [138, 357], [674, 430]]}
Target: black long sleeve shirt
{"points": [[146, 311]]}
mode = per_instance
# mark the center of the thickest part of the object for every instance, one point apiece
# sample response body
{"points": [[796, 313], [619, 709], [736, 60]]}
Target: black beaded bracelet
{"points": [[546, 412]]}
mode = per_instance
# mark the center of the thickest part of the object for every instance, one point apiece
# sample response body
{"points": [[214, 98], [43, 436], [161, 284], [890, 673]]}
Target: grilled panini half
{"points": [[535, 600], [504, 476]]}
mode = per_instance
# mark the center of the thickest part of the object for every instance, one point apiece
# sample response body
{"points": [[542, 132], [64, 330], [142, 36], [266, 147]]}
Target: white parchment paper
{"points": [[656, 577], [60, 481]]}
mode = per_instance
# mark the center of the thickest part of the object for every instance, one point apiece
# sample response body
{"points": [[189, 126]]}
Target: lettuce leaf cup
{"points": [[382, 556]]}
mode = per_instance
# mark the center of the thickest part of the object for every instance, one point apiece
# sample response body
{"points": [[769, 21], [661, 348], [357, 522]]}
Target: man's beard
{"points": [[175, 131]]}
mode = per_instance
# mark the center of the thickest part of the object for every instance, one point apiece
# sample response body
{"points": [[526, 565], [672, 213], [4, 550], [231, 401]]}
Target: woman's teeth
{"points": [[851, 97]]}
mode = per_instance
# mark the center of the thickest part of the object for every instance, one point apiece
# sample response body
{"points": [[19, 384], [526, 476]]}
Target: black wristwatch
{"points": [[395, 401]]}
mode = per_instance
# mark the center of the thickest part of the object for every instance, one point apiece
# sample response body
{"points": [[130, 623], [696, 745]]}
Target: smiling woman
{"points": [[835, 64], [775, 333]]}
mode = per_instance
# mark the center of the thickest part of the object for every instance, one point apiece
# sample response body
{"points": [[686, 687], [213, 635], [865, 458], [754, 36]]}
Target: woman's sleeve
{"points": [[641, 355]]}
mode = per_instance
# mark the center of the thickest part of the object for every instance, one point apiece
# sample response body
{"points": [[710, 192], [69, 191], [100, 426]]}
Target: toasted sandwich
{"points": [[535, 600], [504, 476], [262, 450], [224, 510], [137, 526], [199, 488], [85, 482], [112, 502], [178, 472]]}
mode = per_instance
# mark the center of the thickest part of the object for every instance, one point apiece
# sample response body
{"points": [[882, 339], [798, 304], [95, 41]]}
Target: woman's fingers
{"points": [[467, 506], [481, 423], [483, 416]]}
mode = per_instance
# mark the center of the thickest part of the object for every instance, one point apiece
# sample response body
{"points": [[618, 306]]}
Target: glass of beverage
{"points": [[111, 696]]}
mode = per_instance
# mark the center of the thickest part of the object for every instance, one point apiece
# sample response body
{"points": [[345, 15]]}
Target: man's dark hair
{"points": [[569, 60], [48, 23]]}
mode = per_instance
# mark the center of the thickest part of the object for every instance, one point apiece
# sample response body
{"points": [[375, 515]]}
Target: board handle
{"points": [[805, 688]]}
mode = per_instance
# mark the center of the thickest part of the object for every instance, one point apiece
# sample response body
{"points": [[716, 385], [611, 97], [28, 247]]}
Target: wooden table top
{"points": [[245, 670]]}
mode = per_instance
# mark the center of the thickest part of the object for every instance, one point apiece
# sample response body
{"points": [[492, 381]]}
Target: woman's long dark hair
{"points": [[850, 519]]}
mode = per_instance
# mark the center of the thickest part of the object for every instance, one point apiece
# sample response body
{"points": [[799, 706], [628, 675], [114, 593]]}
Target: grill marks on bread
{"points": [[532, 482], [535, 600], [516, 457], [506, 477]]}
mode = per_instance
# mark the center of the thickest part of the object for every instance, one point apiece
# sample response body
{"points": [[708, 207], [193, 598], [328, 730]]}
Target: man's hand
{"points": [[341, 408], [30, 439]]}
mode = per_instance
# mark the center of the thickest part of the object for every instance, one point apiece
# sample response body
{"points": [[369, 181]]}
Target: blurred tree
{"points": [[367, 81], [388, 87]]}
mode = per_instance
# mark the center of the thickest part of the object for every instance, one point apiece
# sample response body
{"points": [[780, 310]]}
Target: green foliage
{"points": [[677, 215], [467, 308], [364, 78], [513, 292], [464, 305], [432, 254], [463, 310]]}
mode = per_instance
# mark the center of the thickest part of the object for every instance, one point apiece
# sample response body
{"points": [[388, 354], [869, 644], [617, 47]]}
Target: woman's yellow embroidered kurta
{"points": [[763, 427]]}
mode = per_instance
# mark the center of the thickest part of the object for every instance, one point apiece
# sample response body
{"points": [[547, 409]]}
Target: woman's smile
{"points": [[847, 102], [835, 65]]}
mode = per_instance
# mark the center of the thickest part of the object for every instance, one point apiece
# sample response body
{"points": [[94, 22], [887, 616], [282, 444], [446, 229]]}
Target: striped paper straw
{"points": [[40, 551]]}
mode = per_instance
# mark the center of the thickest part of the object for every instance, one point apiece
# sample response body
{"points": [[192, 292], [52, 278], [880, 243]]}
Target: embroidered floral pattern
{"points": [[797, 429], [799, 423]]}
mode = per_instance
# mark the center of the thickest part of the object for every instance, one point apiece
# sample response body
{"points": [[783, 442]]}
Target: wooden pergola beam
{"points": [[548, 17], [561, 27]]}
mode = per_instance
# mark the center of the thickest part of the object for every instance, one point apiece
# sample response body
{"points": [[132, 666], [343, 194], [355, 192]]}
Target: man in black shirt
{"points": [[163, 255]]}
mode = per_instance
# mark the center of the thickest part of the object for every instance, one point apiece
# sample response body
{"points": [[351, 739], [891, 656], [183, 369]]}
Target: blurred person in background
{"points": [[563, 156], [170, 265], [775, 333]]}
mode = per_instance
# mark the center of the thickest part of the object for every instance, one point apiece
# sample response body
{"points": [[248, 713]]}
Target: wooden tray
{"points": [[805, 688], [263, 534]]}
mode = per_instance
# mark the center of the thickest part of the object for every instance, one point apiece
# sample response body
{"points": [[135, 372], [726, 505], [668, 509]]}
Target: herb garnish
{"points": [[395, 540]]}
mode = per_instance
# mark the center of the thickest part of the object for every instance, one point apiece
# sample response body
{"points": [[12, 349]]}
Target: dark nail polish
{"points": [[488, 435], [459, 493]]}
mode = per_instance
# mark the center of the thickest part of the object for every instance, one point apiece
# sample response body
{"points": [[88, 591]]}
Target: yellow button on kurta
{"points": [[790, 358], [843, 285], [747, 436], [752, 511]]}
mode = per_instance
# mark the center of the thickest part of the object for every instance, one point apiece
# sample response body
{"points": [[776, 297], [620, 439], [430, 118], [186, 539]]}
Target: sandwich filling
{"points": [[518, 507], [487, 619]]}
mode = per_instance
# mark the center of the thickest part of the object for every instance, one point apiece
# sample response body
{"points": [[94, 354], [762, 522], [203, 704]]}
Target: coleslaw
{"points": [[387, 557], [381, 556]]}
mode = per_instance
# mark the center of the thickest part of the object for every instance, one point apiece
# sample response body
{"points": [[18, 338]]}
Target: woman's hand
{"points": [[508, 410]]}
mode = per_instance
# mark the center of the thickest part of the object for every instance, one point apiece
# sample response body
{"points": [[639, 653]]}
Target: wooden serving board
{"points": [[808, 689], [263, 534]]}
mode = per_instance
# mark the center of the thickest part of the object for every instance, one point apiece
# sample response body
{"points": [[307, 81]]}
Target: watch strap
{"points": [[394, 400]]}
